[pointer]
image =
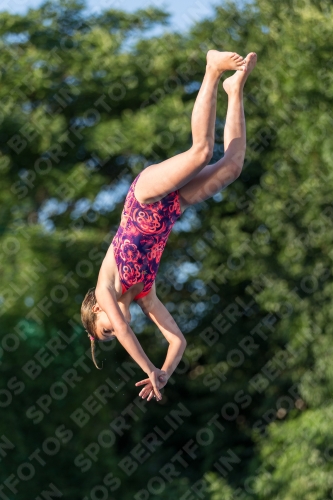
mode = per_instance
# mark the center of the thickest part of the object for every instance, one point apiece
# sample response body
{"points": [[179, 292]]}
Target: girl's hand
{"points": [[157, 380]]}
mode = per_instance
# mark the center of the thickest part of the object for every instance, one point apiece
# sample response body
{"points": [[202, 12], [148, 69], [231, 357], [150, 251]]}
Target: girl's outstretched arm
{"points": [[159, 314], [169, 328], [106, 299]]}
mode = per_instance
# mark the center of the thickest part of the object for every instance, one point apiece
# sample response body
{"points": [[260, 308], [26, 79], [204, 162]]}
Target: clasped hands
{"points": [[156, 381]]}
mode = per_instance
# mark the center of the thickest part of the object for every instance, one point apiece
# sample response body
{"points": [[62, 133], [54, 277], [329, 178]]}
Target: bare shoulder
{"points": [[104, 292], [108, 274]]}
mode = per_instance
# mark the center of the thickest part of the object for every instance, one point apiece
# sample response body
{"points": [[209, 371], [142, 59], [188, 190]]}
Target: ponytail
{"points": [[93, 351], [88, 318]]}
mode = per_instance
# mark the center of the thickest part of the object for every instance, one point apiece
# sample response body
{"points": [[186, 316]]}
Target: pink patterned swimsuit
{"points": [[141, 237]]}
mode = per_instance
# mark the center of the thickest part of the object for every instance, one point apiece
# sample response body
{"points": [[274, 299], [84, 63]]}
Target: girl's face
{"points": [[104, 327]]}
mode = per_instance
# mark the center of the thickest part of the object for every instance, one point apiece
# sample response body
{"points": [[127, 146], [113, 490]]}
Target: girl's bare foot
{"points": [[236, 82], [223, 61]]}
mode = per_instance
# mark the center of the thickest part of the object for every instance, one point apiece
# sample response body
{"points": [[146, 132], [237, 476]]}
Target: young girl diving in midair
{"points": [[156, 199]]}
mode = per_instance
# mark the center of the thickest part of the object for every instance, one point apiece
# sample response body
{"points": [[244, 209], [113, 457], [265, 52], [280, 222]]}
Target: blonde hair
{"points": [[88, 318]]}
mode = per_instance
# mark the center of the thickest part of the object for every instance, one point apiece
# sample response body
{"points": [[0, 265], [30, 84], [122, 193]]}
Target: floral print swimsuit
{"points": [[141, 237]]}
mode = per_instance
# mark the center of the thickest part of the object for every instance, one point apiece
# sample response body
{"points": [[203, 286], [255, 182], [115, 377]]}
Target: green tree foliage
{"points": [[299, 458], [86, 103]]}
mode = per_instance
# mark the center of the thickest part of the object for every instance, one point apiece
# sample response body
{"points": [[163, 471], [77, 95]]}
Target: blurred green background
{"points": [[88, 101]]}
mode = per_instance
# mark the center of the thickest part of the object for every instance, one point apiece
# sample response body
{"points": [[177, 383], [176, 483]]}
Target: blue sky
{"points": [[184, 12]]}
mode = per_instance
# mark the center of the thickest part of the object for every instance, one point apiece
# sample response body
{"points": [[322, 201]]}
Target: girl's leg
{"points": [[158, 180], [211, 179]]}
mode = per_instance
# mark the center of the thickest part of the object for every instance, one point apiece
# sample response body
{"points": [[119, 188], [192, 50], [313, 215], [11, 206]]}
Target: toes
{"points": [[251, 58], [236, 56]]}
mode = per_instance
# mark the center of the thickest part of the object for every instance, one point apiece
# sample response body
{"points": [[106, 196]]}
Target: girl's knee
{"points": [[236, 162], [237, 170], [203, 153]]}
